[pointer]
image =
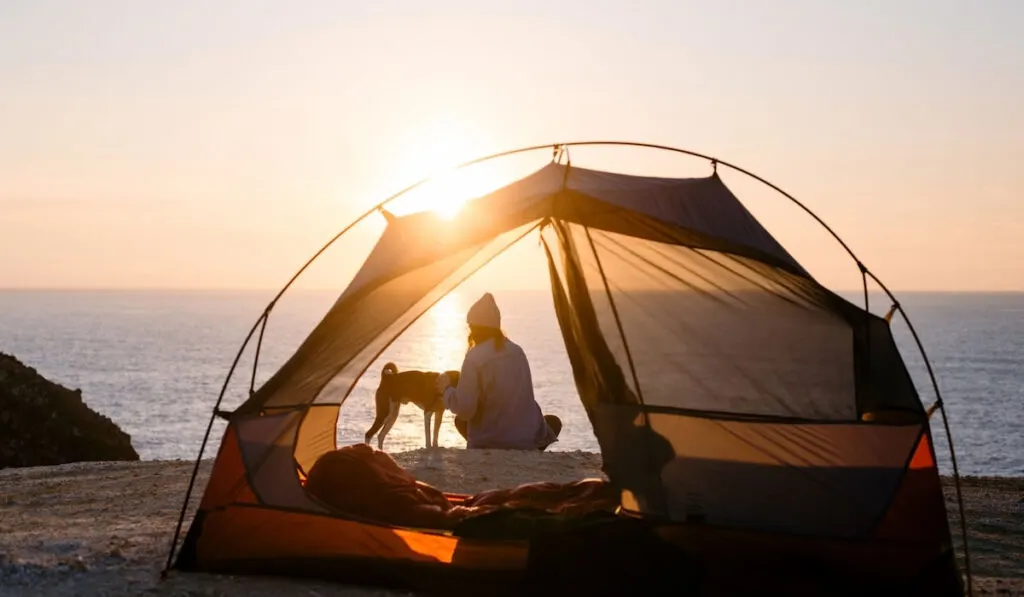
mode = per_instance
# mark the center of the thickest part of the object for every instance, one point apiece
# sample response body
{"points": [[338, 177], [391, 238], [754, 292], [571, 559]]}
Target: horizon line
{"points": [[255, 289]]}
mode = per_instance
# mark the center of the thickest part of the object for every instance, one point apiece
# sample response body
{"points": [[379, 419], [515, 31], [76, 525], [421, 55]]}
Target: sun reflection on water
{"points": [[446, 333]]}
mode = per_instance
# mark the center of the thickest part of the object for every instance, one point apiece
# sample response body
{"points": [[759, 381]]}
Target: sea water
{"points": [[155, 362]]}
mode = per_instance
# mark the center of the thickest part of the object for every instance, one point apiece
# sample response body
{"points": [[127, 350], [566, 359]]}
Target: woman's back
{"points": [[506, 414]]}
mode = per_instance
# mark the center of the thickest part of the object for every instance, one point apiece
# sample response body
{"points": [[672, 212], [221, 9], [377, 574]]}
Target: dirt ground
{"points": [[105, 528]]}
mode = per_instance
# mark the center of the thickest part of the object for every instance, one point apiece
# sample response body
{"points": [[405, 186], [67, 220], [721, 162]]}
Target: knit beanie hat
{"points": [[484, 312]]}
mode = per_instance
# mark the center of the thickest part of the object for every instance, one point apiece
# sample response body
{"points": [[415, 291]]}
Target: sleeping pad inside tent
{"points": [[758, 432]]}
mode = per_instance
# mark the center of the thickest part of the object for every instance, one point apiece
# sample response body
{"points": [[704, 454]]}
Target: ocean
{"points": [[154, 362]]}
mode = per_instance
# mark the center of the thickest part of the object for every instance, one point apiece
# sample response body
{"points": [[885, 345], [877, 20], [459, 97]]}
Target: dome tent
{"points": [[751, 416]]}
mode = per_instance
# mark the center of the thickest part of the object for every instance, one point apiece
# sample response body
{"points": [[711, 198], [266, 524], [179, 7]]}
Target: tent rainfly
{"points": [[760, 426]]}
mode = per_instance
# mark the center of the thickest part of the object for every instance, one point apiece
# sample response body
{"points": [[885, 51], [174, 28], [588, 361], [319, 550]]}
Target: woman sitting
{"points": [[493, 403]]}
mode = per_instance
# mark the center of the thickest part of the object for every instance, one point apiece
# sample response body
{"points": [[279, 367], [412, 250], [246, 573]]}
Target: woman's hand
{"points": [[442, 383]]}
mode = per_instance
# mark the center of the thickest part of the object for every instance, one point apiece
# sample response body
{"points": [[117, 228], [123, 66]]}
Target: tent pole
{"points": [[959, 499], [715, 162], [555, 147], [273, 302], [206, 438], [940, 404], [867, 320], [256, 358], [380, 207], [864, 281], [864, 269], [866, 272]]}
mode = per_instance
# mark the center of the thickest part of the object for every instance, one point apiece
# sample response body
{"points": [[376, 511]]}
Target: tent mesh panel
{"points": [[707, 332]]}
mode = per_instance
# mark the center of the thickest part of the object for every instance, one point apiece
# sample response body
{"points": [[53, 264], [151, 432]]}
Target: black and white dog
{"points": [[417, 387]]}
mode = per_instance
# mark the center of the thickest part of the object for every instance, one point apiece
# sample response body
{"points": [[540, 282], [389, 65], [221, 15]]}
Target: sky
{"points": [[218, 145]]}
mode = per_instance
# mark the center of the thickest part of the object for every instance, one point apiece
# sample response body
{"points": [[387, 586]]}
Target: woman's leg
{"points": [[462, 427], [554, 423]]}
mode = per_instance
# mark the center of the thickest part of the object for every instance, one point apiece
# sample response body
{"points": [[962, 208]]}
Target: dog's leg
{"points": [[392, 417], [426, 426], [437, 426]]}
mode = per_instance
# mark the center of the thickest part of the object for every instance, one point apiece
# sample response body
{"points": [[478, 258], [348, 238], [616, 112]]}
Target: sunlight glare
{"points": [[448, 332], [435, 151], [450, 191], [447, 336], [446, 194]]}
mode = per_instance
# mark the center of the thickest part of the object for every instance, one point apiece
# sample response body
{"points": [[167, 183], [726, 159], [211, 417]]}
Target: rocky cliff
{"points": [[43, 423]]}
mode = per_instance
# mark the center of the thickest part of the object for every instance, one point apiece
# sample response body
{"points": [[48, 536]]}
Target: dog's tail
{"points": [[383, 410], [382, 403]]}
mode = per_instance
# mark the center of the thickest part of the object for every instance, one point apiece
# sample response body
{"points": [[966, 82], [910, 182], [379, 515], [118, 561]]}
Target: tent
{"points": [[758, 423]]}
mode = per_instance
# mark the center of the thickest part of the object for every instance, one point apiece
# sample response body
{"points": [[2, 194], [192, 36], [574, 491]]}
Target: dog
{"points": [[417, 387]]}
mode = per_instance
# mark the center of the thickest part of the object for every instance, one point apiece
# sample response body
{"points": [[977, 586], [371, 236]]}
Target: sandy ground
{"points": [[104, 528]]}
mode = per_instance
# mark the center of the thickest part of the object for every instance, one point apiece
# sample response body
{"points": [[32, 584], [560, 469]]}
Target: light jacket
{"points": [[495, 396]]}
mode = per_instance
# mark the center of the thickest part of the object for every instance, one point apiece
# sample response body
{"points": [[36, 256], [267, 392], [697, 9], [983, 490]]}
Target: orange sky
{"points": [[194, 146]]}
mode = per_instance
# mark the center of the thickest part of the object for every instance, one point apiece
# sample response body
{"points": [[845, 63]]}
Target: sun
{"points": [[449, 210], [449, 192], [436, 155]]}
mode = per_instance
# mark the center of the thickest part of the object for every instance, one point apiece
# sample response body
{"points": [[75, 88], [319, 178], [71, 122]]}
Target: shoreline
{"points": [[105, 527]]}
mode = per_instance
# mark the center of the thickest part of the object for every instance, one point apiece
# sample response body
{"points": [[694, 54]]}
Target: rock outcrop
{"points": [[43, 423]]}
